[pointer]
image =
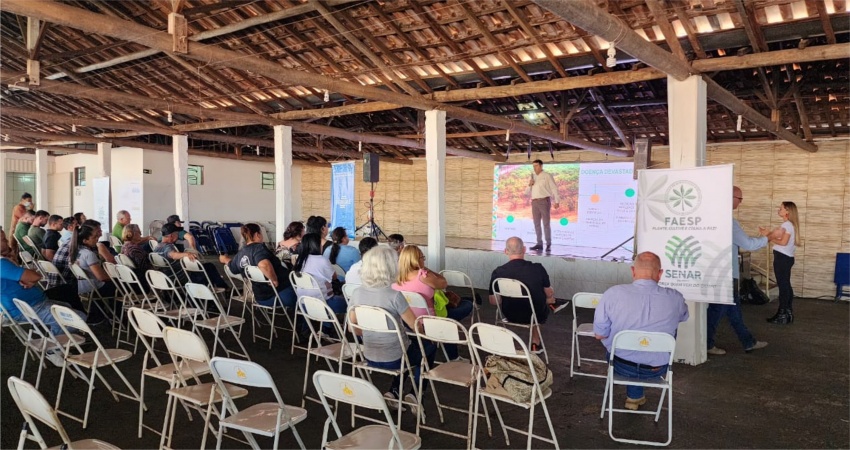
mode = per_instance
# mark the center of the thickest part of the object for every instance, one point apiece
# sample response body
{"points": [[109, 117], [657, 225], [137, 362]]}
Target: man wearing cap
{"points": [[169, 251], [182, 235]]}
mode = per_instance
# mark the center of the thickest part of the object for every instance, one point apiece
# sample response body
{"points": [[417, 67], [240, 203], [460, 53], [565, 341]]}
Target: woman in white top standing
{"points": [[785, 240]]}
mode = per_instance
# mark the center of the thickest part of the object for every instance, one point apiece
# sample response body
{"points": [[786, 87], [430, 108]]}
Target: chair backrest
{"points": [[348, 291], [256, 275], [415, 300], [33, 405], [126, 274], [68, 320], [38, 326], [233, 276], [507, 287], [497, 340], [304, 284], [191, 265], [586, 300], [316, 309], [241, 372], [158, 260], [114, 241], [111, 270], [31, 244], [153, 244], [457, 278], [643, 341], [159, 280], [441, 329], [26, 258], [198, 292], [125, 260], [374, 319], [8, 322], [79, 273], [146, 323], [47, 267], [339, 271], [186, 345]]}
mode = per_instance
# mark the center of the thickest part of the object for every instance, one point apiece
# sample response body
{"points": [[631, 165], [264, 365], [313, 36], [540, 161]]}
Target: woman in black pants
{"points": [[785, 240]]}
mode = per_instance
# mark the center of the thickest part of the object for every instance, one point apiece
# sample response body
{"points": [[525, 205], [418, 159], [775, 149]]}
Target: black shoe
{"points": [[537, 247], [783, 318], [773, 317], [548, 248]]}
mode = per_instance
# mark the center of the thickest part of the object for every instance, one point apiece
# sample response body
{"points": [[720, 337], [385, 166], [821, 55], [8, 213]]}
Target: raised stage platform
{"points": [[571, 269]]}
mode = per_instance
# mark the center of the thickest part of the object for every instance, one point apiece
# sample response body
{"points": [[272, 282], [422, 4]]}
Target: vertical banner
{"points": [[685, 217], [342, 196], [100, 190]]}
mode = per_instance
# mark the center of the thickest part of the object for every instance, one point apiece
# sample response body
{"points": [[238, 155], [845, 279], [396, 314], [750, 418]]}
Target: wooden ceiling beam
{"points": [[82, 121], [96, 23], [600, 105], [529, 32], [586, 14], [658, 10], [751, 25], [689, 30], [820, 7]]}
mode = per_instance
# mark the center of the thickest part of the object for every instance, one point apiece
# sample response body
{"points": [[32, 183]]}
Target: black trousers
{"points": [[782, 264]]}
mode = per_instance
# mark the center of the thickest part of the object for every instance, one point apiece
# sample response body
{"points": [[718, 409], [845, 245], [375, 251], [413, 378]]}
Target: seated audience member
{"points": [[319, 225], [80, 218], [69, 224], [642, 305], [22, 229], [103, 247], [136, 248], [381, 350], [83, 251], [535, 278], [413, 276], [310, 261], [396, 242], [340, 253], [18, 282], [255, 253], [288, 247], [353, 274], [122, 219], [169, 251], [51, 237], [183, 235], [36, 232]]}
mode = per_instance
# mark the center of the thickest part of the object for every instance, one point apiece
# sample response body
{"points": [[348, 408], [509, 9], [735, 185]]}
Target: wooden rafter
{"points": [[656, 7], [820, 7], [689, 30]]}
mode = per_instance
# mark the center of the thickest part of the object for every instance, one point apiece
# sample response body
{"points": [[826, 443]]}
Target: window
{"points": [[196, 175], [267, 180], [79, 176]]}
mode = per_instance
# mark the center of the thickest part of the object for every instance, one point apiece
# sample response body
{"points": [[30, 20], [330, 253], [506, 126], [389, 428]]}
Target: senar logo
{"points": [[683, 253], [683, 197]]}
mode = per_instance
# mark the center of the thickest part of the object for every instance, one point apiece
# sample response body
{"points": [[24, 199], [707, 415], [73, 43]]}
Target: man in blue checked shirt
{"points": [[642, 305]]}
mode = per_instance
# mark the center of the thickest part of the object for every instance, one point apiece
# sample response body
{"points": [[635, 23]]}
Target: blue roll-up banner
{"points": [[342, 196]]}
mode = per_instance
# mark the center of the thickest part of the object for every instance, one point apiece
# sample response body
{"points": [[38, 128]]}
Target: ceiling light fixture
{"points": [[740, 122], [360, 146], [258, 150], [612, 57], [169, 117], [73, 128], [327, 96]]}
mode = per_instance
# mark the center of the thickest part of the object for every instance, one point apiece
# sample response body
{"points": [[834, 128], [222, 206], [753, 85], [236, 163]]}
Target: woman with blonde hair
{"points": [[785, 240], [413, 276]]}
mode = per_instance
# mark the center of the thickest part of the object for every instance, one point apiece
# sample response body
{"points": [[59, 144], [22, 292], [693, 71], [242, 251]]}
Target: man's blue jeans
{"points": [[414, 355], [736, 319], [639, 371], [460, 312]]}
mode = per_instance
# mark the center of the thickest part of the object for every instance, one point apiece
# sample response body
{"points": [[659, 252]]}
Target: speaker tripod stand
{"points": [[375, 231]]}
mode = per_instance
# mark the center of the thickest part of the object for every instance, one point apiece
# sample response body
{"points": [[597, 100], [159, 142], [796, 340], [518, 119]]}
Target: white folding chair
{"points": [[191, 266], [149, 328], [27, 259], [201, 295], [372, 319], [305, 286], [20, 334], [125, 299], [93, 296], [442, 330], [187, 348], [348, 291], [586, 300], [161, 264], [41, 339], [416, 300], [318, 315], [33, 405], [266, 419], [517, 291], [460, 279], [339, 271], [115, 243], [36, 251], [47, 267], [160, 283], [125, 260], [153, 244], [93, 360], [640, 341], [240, 291], [257, 278], [359, 393], [500, 341]]}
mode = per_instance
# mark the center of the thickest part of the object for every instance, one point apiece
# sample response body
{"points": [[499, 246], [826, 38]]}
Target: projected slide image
{"points": [[597, 203], [513, 203]]}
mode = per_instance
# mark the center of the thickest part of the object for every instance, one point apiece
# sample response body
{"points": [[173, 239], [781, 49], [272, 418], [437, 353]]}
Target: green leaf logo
{"points": [[683, 197]]}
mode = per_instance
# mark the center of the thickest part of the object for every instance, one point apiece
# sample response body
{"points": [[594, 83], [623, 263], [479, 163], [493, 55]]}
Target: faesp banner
{"points": [[342, 197], [685, 217]]}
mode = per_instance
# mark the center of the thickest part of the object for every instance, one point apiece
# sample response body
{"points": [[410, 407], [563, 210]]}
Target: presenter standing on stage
{"points": [[543, 192]]}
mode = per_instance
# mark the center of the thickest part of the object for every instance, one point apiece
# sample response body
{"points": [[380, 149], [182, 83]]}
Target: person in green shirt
{"points": [[122, 219], [36, 233], [23, 227]]}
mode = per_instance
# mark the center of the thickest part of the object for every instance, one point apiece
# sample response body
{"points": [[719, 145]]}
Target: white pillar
{"points": [[686, 109], [282, 178], [104, 159], [42, 195], [4, 219], [435, 161], [180, 146]]}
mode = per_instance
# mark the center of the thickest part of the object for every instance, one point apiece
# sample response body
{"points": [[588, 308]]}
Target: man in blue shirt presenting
{"points": [[642, 305]]}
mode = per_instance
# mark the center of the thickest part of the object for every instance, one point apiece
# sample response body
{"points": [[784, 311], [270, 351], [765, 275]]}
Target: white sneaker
{"points": [[414, 405], [55, 357], [392, 402], [459, 359], [716, 351]]}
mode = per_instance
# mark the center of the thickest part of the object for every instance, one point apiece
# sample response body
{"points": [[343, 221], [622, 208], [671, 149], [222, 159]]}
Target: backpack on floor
{"points": [[512, 376], [751, 293]]}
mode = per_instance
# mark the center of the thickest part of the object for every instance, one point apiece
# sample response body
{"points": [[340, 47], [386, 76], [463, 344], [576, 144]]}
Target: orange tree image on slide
{"points": [[513, 202]]}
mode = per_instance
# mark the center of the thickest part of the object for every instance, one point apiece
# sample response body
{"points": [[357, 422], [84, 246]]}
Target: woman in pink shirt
{"points": [[413, 276]]}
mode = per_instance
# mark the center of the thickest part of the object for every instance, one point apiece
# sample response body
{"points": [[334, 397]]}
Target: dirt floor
{"points": [[792, 394]]}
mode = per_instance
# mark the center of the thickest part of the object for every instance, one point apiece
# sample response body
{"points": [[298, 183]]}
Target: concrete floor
{"points": [[792, 394]]}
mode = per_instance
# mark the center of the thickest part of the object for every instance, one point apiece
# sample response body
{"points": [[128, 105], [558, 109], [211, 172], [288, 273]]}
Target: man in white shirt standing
{"points": [[543, 192]]}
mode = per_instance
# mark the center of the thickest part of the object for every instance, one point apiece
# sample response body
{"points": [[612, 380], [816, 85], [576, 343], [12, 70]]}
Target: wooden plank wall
{"points": [[767, 172]]}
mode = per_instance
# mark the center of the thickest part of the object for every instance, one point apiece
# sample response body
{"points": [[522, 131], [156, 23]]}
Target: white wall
{"points": [[126, 184], [83, 197]]}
